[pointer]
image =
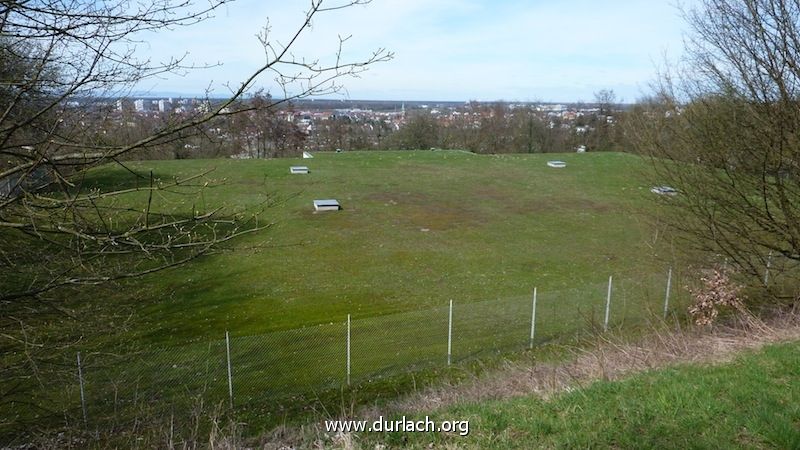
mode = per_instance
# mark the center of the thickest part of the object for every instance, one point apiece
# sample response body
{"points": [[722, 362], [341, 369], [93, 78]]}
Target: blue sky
{"points": [[444, 50]]}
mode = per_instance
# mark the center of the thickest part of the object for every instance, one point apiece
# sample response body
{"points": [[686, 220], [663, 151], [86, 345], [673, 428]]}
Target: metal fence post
{"points": [[533, 319], [666, 296], [450, 334], [348, 349], [83, 395], [608, 305], [766, 270], [230, 371]]}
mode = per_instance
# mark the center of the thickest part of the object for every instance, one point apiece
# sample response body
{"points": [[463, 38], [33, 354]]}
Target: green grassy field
{"points": [[416, 229], [753, 402]]}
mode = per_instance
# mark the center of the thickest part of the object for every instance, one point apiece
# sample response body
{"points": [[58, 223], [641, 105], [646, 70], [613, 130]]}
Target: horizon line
{"points": [[155, 95]]}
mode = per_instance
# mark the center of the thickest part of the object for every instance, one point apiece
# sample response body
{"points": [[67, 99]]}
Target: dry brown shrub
{"points": [[718, 292]]}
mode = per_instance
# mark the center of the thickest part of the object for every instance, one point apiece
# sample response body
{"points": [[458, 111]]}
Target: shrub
{"points": [[717, 292]]}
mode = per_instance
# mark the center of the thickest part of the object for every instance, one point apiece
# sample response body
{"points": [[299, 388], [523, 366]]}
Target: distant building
{"points": [[123, 104], [138, 105], [164, 105]]}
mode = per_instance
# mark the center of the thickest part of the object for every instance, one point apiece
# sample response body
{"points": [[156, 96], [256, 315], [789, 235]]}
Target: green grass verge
{"points": [[752, 402]]}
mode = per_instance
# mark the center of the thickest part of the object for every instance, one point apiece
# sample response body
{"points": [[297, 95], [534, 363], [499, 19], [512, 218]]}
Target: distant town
{"points": [[343, 124]]}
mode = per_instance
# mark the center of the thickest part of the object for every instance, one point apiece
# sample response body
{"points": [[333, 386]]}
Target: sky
{"points": [[448, 50]]}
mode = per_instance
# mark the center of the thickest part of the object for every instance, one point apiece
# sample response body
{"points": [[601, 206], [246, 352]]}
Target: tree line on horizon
{"points": [[262, 131]]}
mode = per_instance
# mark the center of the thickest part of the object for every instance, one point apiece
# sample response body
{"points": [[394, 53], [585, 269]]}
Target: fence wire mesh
{"points": [[293, 366]]}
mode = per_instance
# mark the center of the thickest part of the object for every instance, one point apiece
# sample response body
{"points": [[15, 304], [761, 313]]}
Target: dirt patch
{"points": [[521, 204], [426, 211], [491, 193], [480, 207], [445, 217], [513, 204]]}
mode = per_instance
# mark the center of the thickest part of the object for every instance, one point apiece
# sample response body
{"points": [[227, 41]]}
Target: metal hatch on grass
{"points": [[298, 169], [326, 205]]}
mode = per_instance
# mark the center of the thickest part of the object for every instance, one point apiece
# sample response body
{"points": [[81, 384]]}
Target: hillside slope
{"points": [[750, 402], [416, 230]]}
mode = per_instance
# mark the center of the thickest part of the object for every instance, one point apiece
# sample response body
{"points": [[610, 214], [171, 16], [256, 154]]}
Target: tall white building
{"points": [[164, 105]]}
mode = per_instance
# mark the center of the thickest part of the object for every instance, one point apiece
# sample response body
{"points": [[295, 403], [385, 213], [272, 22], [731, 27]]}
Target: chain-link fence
{"points": [[286, 368]]}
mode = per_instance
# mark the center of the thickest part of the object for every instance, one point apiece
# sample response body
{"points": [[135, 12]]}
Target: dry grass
{"points": [[203, 427], [608, 357]]}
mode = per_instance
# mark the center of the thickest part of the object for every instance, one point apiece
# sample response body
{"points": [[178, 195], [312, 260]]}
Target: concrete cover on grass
{"points": [[326, 205]]}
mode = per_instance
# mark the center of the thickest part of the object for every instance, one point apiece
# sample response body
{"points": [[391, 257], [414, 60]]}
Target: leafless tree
{"points": [[263, 131], [420, 132], [606, 101], [603, 133], [724, 129], [57, 51], [59, 229]]}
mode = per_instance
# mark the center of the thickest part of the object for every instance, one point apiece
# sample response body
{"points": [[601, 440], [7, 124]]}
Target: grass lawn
{"points": [[752, 402], [416, 230]]}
